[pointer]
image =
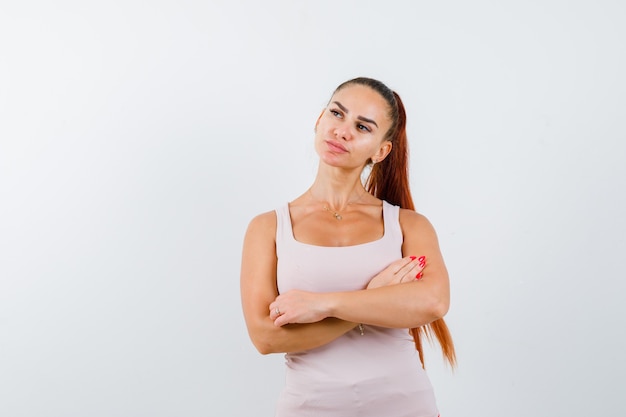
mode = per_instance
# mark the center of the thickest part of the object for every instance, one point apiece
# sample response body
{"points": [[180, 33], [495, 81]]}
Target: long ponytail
{"points": [[389, 180]]}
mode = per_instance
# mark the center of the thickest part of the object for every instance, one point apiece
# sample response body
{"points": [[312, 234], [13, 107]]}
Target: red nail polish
{"points": [[419, 275], [413, 258], [422, 259]]}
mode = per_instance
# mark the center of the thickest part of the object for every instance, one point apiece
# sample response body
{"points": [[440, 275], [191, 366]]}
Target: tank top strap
{"points": [[284, 233], [391, 219]]}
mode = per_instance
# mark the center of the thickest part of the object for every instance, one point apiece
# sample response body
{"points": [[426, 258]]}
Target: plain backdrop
{"points": [[138, 139]]}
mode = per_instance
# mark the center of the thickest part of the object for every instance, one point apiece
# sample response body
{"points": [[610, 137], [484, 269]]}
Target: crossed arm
{"points": [[393, 298]]}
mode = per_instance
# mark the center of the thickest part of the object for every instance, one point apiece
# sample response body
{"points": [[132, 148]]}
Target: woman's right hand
{"points": [[406, 269]]}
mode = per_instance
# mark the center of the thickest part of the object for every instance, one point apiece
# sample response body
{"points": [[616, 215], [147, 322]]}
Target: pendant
{"points": [[334, 213]]}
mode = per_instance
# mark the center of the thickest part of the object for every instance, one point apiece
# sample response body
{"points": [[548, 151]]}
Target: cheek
{"points": [[323, 124], [318, 139]]}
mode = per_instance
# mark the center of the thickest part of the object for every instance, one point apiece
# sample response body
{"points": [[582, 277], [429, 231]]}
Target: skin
{"points": [[349, 134]]}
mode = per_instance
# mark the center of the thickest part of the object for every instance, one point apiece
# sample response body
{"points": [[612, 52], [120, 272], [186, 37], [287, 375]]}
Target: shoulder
{"points": [[413, 222], [264, 223], [260, 236], [259, 244], [413, 218]]}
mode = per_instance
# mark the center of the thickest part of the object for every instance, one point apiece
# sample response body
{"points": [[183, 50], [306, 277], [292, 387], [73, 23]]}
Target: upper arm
{"points": [[258, 269], [259, 290], [420, 239]]}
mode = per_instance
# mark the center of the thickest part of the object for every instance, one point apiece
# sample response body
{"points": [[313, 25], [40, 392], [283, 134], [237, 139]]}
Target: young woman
{"points": [[336, 277]]}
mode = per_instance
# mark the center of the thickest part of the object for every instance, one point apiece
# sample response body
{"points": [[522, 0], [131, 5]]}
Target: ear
{"points": [[383, 151], [318, 120]]}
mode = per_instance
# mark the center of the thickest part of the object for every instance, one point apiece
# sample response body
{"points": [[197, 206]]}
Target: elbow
{"points": [[264, 345], [438, 304], [435, 309], [264, 336], [265, 348], [440, 309]]}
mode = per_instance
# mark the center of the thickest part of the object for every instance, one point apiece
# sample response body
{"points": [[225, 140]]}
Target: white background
{"points": [[137, 139]]}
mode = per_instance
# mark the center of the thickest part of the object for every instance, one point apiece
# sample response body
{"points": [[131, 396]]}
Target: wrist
{"points": [[330, 304]]}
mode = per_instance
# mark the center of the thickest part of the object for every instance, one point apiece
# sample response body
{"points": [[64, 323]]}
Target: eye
{"points": [[335, 113], [363, 128]]}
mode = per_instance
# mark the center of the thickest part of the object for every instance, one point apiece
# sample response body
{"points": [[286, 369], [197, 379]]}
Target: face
{"points": [[350, 131]]}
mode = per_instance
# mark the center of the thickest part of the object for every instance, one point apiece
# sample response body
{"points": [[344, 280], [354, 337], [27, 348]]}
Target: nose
{"points": [[343, 132]]}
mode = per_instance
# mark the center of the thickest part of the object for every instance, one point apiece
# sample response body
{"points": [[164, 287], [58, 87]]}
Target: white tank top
{"points": [[371, 375]]}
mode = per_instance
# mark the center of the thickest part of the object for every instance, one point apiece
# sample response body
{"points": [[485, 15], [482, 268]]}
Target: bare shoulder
{"points": [[259, 245], [263, 224], [412, 219], [414, 224]]}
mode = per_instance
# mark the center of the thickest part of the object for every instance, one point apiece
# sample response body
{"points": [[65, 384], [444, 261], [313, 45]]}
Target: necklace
{"points": [[336, 214]]}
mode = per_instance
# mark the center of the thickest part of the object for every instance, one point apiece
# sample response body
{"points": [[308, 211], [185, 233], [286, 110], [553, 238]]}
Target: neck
{"points": [[337, 189]]}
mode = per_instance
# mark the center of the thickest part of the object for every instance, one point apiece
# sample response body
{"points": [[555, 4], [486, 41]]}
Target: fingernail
{"points": [[422, 259], [413, 258], [419, 275]]}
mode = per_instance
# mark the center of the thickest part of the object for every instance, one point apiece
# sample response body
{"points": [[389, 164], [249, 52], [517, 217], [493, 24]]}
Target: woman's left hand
{"points": [[296, 306]]}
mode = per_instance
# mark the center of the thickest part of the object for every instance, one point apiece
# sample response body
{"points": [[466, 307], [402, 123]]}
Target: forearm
{"points": [[269, 338], [405, 305]]}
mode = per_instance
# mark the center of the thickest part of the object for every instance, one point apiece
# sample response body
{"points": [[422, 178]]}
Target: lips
{"points": [[335, 146]]}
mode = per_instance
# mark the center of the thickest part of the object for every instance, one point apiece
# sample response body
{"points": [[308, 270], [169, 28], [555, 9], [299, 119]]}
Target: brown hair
{"points": [[389, 181]]}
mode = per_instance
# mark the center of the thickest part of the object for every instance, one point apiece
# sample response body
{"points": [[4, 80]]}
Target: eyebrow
{"points": [[345, 110]]}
